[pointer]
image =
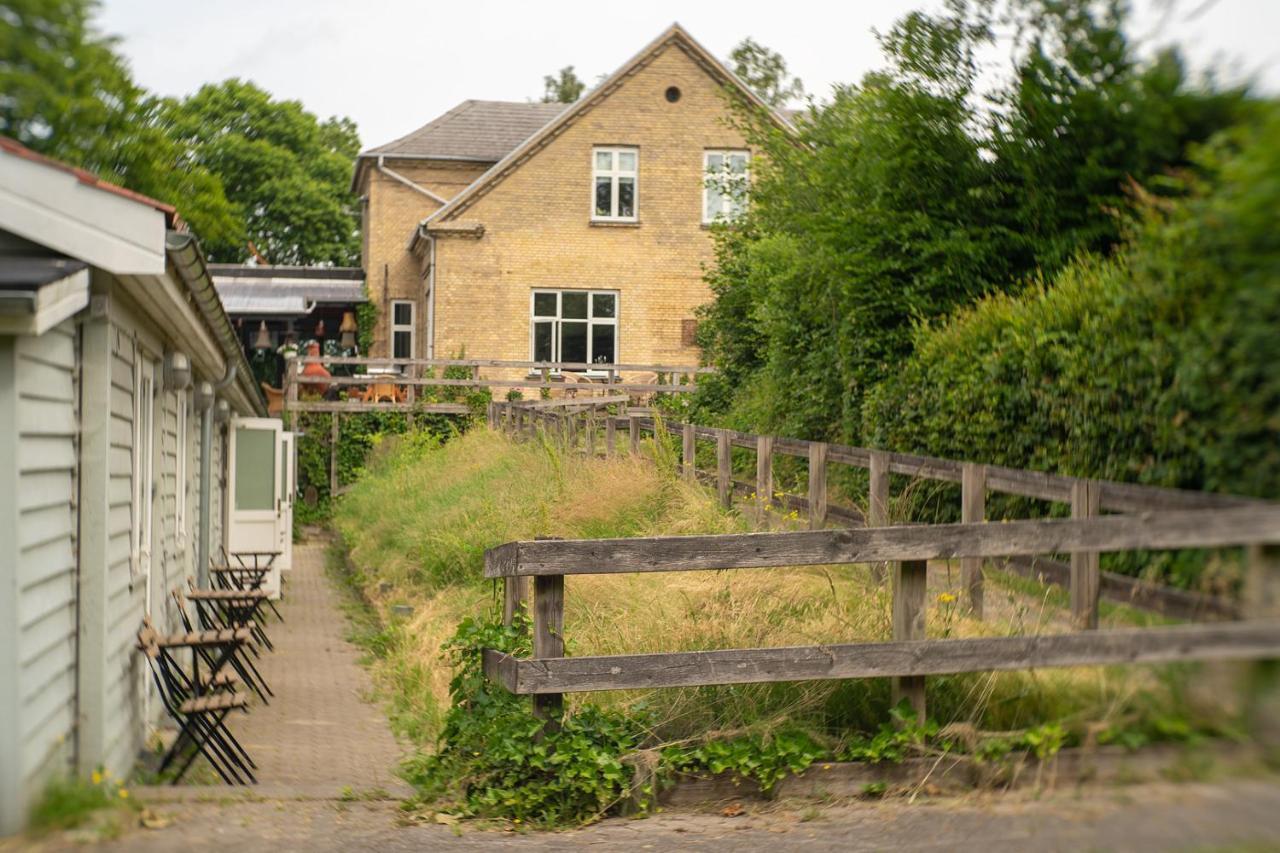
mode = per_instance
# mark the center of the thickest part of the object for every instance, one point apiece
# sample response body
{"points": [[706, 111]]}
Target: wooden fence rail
{"points": [[1156, 519]]}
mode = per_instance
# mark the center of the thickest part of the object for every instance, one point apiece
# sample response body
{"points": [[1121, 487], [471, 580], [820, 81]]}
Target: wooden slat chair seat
{"points": [[239, 658], [201, 717], [230, 608], [258, 562]]}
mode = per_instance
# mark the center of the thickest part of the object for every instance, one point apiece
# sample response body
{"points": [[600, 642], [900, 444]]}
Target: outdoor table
{"points": [[257, 561]]}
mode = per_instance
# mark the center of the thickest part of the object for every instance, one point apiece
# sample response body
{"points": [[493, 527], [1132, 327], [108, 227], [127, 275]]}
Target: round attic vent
{"points": [[673, 93]]}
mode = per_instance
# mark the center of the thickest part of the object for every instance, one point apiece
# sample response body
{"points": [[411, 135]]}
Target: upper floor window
{"points": [[724, 192], [614, 184], [402, 329]]}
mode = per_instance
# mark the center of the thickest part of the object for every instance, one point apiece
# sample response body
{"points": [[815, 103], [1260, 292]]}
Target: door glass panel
{"points": [[544, 305], [626, 197], [573, 341], [402, 313], [604, 202], [603, 305], [542, 338], [602, 343], [574, 306], [255, 469]]}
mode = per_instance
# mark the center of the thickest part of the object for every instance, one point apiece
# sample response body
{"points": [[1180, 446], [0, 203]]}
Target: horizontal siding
{"points": [[46, 565]]}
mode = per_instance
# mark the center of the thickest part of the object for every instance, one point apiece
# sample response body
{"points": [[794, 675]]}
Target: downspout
{"points": [[208, 394], [431, 298]]}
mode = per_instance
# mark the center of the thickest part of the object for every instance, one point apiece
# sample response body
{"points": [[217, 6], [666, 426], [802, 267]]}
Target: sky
{"points": [[393, 65]]}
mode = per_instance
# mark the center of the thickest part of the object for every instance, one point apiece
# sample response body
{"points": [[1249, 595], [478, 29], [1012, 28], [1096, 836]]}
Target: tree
{"points": [[564, 88], [66, 93], [765, 71], [285, 172]]}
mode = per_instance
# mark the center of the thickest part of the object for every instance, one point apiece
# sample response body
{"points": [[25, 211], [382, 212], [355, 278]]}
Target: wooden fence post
{"points": [[548, 635], [591, 433], [633, 428], [1260, 597], [878, 501], [335, 433], [515, 593], [973, 510], [724, 468], [570, 431], [909, 585], [610, 435], [1086, 579], [688, 453], [291, 393], [817, 485], [764, 477]]}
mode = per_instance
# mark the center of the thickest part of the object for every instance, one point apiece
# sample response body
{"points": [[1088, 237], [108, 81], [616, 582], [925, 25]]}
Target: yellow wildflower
{"points": [[946, 598], [97, 778], [124, 795]]}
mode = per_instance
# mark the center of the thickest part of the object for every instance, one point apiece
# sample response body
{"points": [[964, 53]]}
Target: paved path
{"points": [[320, 734]]}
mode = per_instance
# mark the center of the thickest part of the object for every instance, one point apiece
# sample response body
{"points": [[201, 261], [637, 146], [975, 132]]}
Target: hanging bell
{"points": [[263, 341]]}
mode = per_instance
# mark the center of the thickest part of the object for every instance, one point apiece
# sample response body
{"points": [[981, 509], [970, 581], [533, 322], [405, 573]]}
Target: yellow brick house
{"points": [[553, 232]]}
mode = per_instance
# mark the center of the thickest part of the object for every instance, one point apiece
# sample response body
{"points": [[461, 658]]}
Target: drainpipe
{"points": [[431, 298], [207, 393]]}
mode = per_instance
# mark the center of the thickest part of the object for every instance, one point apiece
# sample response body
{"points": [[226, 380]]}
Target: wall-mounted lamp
{"points": [[222, 412], [177, 371], [204, 395]]}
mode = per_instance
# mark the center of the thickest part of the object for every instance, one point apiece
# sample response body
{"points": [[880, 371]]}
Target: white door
{"points": [[287, 492], [253, 523]]}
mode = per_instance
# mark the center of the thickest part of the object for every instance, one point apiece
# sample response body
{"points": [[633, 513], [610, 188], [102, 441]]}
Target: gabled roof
{"points": [[483, 131], [673, 36]]}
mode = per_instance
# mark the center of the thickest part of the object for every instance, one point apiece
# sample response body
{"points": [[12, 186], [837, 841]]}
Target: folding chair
{"points": [[201, 717], [230, 608], [254, 561], [239, 658]]}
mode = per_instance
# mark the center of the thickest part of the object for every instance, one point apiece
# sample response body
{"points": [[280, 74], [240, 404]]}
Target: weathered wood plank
{"points": [[1218, 641], [501, 668], [764, 477], [351, 406], [531, 366], [817, 485], [633, 433], [1086, 584], [973, 510], [335, 433], [548, 634], [724, 469], [909, 584], [610, 436], [878, 502], [573, 402], [1192, 529], [515, 594], [688, 457]]}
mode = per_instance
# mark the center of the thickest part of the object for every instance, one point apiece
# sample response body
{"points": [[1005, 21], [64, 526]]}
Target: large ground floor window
{"points": [[574, 325]]}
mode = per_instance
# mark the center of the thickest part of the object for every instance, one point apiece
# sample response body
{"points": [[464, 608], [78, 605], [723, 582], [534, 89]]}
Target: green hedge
{"points": [[1159, 365]]}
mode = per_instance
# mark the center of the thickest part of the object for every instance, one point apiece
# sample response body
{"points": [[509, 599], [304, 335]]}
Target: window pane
{"points": [[402, 345], [626, 196], [604, 201], [573, 341], [574, 305], [604, 305], [604, 160], [603, 342], [626, 161], [738, 163], [255, 468], [402, 313], [715, 204], [715, 162], [544, 305], [542, 341]]}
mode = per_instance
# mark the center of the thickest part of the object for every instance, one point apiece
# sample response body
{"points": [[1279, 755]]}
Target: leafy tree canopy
{"points": [[765, 71], [238, 165], [564, 88]]}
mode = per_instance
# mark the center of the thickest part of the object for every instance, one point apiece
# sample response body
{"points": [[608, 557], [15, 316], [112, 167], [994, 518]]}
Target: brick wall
{"points": [[392, 212], [538, 230]]}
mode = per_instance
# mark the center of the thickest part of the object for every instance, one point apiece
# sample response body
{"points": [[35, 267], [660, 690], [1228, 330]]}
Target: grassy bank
{"points": [[418, 523]]}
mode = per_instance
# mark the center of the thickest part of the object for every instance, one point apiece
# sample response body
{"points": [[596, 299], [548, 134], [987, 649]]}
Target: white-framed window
{"points": [[144, 381], [725, 185], [574, 326], [615, 187], [402, 329], [180, 484]]}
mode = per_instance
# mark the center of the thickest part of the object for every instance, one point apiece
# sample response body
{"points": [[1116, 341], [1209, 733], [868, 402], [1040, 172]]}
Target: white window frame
{"points": [[726, 212], [559, 318], [180, 482], [143, 452], [401, 328], [613, 174]]}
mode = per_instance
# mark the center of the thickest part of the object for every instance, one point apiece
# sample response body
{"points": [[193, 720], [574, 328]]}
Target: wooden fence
{"points": [[1153, 518]]}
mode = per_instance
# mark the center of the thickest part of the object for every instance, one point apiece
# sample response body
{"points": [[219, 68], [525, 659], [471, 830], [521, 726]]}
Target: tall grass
{"points": [[418, 523]]}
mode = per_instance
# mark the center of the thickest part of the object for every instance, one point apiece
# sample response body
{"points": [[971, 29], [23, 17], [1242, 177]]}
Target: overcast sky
{"points": [[393, 65]]}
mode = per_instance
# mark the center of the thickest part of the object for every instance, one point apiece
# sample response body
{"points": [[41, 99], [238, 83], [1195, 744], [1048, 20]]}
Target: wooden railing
{"points": [[1155, 519], [403, 378]]}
